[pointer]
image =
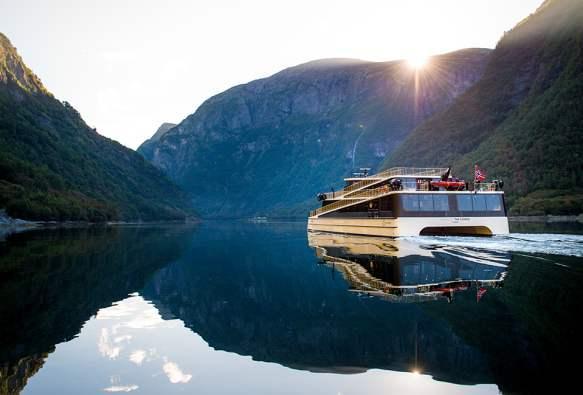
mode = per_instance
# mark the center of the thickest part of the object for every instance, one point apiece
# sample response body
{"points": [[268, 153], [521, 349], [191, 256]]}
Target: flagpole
{"points": [[475, 170]]}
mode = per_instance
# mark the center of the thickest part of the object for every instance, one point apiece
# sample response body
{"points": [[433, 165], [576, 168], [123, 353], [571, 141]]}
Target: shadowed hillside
{"points": [[267, 147]]}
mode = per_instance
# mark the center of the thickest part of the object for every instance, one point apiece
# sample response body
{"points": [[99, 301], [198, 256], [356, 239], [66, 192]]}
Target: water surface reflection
{"points": [[249, 308], [403, 270]]}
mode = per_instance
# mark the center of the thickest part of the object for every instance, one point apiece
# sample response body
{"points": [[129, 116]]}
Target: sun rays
{"points": [[417, 62], [428, 75]]}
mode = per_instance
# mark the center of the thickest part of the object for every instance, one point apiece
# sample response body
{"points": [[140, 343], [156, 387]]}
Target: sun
{"points": [[417, 62]]}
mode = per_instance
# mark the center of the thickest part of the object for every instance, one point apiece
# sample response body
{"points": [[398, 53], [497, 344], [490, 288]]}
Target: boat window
{"points": [[493, 203], [464, 202], [426, 202], [440, 203], [410, 202], [479, 202]]}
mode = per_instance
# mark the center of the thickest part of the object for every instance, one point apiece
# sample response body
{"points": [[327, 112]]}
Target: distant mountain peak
{"points": [[165, 127], [160, 132], [330, 62], [322, 65], [13, 70]]}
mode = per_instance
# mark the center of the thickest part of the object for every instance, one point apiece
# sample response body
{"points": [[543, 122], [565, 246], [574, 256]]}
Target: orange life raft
{"points": [[448, 184]]}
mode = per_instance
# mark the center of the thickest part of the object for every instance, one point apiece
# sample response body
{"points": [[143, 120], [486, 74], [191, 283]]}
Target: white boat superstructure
{"points": [[405, 201]]}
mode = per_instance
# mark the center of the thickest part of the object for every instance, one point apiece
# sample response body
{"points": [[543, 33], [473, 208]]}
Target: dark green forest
{"points": [[54, 167]]}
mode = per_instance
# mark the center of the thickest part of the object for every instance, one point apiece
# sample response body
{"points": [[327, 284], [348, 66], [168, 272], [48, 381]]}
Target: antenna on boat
{"points": [[362, 172]]}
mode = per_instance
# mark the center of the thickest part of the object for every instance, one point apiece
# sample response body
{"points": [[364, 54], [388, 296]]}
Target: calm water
{"points": [[264, 308]]}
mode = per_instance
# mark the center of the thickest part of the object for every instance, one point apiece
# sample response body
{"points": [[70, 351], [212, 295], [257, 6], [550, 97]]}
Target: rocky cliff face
{"points": [[147, 146], [13, 70], [522, 121], [267, 147]]}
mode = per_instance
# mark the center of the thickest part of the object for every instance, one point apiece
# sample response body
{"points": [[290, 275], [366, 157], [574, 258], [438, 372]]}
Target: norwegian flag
{"points": [[479, 175], [479, 293]]}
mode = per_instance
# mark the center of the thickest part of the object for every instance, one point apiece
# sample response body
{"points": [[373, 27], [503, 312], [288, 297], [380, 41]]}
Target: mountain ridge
{"points": [[146, 146]]}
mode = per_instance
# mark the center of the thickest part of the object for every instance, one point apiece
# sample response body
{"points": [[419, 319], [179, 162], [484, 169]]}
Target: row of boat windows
{"points": [[425, 202], [479, 203], [431, 202]]}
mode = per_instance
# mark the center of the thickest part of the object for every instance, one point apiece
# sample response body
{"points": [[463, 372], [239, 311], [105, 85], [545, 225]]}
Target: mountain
{"points": [[54, 167], [268, 146], [523, 121], [147, 146]]}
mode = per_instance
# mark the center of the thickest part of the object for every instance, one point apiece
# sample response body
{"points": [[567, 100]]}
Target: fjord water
{"points": [[224, 308]]}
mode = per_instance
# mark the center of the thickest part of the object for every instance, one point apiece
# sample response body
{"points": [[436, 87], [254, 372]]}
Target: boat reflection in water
{"points": [[401, 270]]}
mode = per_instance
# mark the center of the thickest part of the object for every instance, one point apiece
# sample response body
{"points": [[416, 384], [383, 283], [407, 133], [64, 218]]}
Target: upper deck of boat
{"points": [[361, 189]]}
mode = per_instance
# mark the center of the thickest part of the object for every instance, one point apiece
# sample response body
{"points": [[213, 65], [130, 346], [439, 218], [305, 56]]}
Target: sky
{"points": [[129, 65]]}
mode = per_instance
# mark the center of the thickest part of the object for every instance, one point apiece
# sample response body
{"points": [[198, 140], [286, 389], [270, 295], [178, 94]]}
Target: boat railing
{"points": [[392, 172], [334, 195], [485, 186], [359, 185], [354, 198], [367, 193], [413, 172]]}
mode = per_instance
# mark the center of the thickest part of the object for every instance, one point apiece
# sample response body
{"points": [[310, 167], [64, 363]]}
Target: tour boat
{"points": [[405, 201]]}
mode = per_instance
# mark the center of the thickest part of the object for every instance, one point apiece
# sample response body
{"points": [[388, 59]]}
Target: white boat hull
{"points": [[411, 226]]}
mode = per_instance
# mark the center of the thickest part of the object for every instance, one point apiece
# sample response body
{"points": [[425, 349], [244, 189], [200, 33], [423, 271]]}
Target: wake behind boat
{"points": [[404, 201]]}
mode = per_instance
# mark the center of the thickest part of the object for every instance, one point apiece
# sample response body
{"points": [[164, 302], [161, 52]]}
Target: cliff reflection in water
{"points": [[401, 270], [259, 292], [53, 281]]}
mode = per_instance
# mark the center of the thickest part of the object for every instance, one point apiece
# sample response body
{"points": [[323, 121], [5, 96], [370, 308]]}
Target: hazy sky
{"points": [[129, 65]]}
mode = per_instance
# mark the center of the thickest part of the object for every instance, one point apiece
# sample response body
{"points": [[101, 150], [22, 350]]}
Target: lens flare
{"points": [[417, 62]]}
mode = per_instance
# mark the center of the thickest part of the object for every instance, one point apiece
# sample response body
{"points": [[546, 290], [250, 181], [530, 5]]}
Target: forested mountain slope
{"points": [[54, 167], [523, 121]]}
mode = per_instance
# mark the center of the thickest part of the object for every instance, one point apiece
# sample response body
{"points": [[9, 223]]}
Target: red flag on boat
{"points": [[479, 174], [481, 291]]}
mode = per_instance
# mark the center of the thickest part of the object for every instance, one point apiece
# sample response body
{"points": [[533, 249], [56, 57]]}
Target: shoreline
{"points": [[547, 218], [9, 225]]}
